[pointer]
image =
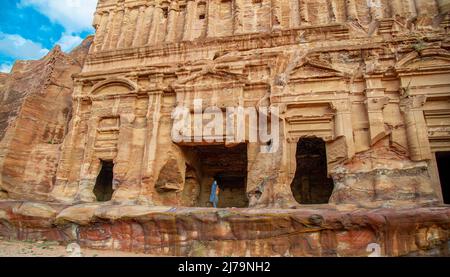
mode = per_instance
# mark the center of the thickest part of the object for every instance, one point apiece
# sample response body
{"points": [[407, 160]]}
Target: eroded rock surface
{"points": [[35, 110], [312, 231], [360, 91]]}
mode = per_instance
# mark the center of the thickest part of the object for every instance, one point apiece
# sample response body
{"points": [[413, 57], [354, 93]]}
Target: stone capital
{"points": [[376, 103], [341, 106], [414, 102], [127, 118]]}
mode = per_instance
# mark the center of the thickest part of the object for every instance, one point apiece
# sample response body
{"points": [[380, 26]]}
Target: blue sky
{"points": [[30, 28]]}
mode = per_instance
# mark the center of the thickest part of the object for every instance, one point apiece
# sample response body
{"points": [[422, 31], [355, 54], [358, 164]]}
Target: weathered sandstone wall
{"points": [[35, 109]]}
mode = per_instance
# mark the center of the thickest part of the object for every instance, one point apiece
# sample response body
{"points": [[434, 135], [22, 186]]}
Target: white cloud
{"points": [[5, 68], [68, 42], [74, 15], [17, 47]]}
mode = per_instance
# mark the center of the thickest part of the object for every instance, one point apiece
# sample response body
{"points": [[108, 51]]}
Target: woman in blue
{"points": [[214, 197]]}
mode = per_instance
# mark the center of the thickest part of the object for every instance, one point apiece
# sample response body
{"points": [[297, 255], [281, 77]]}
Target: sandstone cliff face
{"points": [[35, 108], [367, 79], [363, 91]]}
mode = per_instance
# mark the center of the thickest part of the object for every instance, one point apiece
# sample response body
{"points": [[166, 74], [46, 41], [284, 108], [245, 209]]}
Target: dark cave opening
{"points": [[443, 162], [228, 167], [103, 189], [311, 184]]}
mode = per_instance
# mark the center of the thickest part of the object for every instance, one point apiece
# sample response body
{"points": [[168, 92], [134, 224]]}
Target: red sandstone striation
{"points": [[313, 231]]}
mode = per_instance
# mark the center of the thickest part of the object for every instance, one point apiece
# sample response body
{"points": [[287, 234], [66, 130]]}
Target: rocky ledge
{"points": [[311, 231]]}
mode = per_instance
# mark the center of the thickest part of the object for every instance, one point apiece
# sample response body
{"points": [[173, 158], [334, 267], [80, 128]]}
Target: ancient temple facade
{"points": [[362, 88]]}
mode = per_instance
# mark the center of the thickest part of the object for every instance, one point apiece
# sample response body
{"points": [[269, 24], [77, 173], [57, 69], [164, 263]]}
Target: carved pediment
{"points": [[310, 69], [427, 59], [209, 79], [113, 86]]}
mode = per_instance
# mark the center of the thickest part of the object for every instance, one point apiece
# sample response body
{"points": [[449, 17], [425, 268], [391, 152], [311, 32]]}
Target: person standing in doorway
{"points": [[214, 197]]}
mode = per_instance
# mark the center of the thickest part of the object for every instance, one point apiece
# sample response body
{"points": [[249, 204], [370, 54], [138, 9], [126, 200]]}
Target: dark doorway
{"points": [[311, 184], [443, 163], [225, 165], [103, 189], [232, 191]]}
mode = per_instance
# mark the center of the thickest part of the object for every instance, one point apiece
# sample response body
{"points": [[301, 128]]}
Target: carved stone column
{"points": [[190, 16], [100, 27], [151, 141], [294, 14], [303, 10], [154, 29], [88, 173], [375, 103], [276, 20], [128, 186], [172, 22], [139, 32], [352, 13], [426, 10], [116, 29], [338, 13], [108, 31], [66, 182], [416, 127], [410, 8], [343, 124], [132, 30], [147, 24], [376, 9], [375, 106], [238, 24], [126, 22]]}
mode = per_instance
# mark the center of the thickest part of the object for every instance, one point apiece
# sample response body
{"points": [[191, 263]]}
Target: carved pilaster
{"points": [[277, 20], [116, 29], [190, 16], [147, 25], [350, 7], [139, 31], [426, 10], [238, 24], [131, 31], [123, 29], [128, 186], [376, 9], [101, 26], [416, 127], [89, 165], [375, 106], [294, 14], [375, 103], [108, 30], [343, 124], [338, 11], [172, 22], [155, 26]]}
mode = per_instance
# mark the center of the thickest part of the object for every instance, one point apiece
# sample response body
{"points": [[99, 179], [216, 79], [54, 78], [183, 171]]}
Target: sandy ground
{"points": [[53, 249]]}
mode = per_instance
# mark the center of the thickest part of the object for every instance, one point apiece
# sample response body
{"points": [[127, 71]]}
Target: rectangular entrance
{"points": [[311, 184], [443, 163], [225, 165], [103, 189]]}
